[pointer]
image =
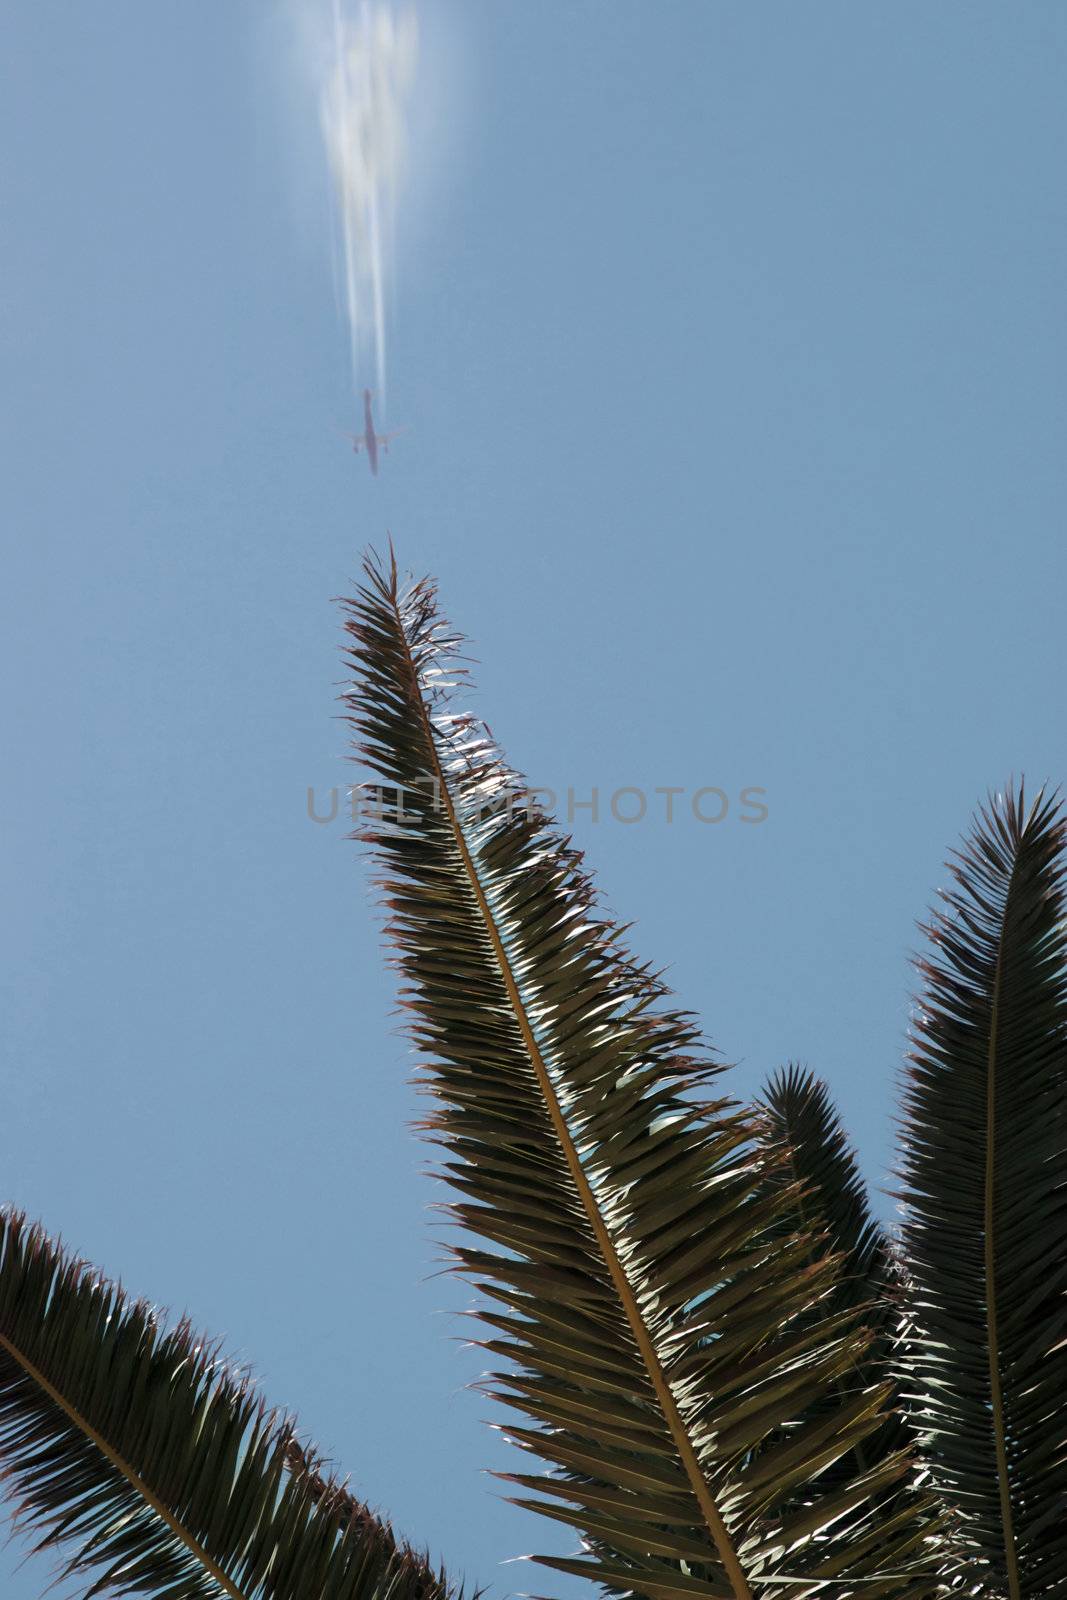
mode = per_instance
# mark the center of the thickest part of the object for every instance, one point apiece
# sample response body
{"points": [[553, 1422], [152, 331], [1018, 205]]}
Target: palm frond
{"points": [[801, 1127], [152, 1468], [985, 1168], [653, 1333]]}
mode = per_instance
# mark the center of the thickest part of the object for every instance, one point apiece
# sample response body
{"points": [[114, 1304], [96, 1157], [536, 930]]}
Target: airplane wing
{"points": [[356, 438], [384, 438]]}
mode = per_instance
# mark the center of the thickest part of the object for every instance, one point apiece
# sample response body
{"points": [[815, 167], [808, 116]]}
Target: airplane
{"points": [[369, 440]]}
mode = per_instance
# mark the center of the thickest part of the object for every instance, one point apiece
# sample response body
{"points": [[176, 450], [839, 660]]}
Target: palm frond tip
{"points": [[984, 1157], [654, 1322], [801, 1127], [155, 1469]]}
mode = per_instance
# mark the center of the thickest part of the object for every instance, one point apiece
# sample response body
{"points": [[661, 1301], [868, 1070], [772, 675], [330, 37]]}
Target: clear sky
{"points": [[731, 341]]}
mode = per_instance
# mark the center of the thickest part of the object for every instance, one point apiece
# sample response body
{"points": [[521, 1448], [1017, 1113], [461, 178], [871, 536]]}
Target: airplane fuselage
{"points": [[370, 438]]}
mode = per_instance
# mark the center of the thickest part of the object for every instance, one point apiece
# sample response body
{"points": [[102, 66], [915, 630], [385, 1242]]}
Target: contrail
{"points": [[362, 110]]}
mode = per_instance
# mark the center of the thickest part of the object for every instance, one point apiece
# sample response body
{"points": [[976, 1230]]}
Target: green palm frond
{"points": [[134, 1453], [655, 1333], [801, 1127], [985, 1167]]}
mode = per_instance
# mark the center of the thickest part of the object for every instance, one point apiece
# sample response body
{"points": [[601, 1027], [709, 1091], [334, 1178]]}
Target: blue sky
{"points": [[731, 343]]}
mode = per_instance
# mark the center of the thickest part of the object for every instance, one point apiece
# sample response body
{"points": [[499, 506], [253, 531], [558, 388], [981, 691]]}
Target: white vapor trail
{"points": [[362, 108]]}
